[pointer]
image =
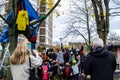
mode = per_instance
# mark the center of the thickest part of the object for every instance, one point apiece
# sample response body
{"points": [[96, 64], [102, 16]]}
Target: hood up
{"points": [[99, 52]]}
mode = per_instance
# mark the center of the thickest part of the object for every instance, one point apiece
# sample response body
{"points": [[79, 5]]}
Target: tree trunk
{"points": [[102, 22], [88, 28]]}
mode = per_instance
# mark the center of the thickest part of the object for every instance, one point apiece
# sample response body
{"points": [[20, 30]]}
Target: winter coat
{"points": [[69, 73], [60, 57], [100, 64], [21, 71], [52, 56], [76, 68], [45, 72]]}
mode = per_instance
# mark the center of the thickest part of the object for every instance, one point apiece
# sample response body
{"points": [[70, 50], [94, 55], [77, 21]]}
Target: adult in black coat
{"points": [[100, 63]]}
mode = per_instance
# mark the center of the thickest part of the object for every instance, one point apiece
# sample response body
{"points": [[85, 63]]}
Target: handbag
{"points": [[32, 72]]}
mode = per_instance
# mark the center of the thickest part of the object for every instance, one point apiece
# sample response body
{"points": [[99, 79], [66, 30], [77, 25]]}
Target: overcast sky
{"points": [[59, 23]]}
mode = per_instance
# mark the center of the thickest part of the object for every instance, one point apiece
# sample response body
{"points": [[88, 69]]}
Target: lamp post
{"points": [[61, 44]]}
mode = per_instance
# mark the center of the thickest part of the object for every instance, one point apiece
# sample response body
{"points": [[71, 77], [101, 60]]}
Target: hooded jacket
{"points": [[100, 64]]}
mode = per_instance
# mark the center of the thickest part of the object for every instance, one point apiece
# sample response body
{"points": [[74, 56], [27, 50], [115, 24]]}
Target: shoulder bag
{"points": [[32, 72]]}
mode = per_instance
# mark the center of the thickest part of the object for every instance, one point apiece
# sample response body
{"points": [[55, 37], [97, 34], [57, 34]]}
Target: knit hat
{"points": [[74, 61]]}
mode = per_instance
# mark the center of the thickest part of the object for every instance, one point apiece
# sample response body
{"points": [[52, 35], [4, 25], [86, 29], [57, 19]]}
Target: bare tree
{"points": [[117, 2], [114, 8], [102, 22], [80, 22], [103, 9], [113, 36]]}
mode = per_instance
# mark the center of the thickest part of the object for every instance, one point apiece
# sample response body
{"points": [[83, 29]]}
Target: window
{"points": [[42, 31]]}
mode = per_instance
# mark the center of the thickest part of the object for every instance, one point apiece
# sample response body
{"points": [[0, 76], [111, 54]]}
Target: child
{"points": [[75, 69], [67, 72], [45, 69]]}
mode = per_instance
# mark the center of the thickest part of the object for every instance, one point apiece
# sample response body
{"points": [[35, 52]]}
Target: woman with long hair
{"points": [[20, 64]]}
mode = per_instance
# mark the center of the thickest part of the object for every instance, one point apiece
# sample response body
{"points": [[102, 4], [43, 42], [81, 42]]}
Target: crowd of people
{"points": [[63, 64]]}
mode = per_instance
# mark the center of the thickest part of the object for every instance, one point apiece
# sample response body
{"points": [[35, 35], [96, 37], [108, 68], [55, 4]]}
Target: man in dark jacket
{"points": [[100, 63]]}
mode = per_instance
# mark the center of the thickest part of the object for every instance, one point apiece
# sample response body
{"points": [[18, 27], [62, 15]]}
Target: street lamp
{"points": [[61, 44]]}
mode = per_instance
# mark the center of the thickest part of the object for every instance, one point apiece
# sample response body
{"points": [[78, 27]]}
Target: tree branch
{"points": [[115, 13], [116, 2], [97, 2], [114, 8], [78, 33], [96, 13], [45, 16], [79, 8], [4, 19], [82, 36]]}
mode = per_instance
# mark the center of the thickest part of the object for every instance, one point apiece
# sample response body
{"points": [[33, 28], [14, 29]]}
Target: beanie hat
{"points": [[74, 61]]}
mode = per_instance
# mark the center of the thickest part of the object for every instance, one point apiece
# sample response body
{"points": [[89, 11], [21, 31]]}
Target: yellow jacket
{"points": [[22, 20]]}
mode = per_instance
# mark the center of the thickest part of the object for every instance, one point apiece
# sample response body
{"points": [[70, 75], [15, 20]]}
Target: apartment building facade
{"points": [[45, 34]]}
